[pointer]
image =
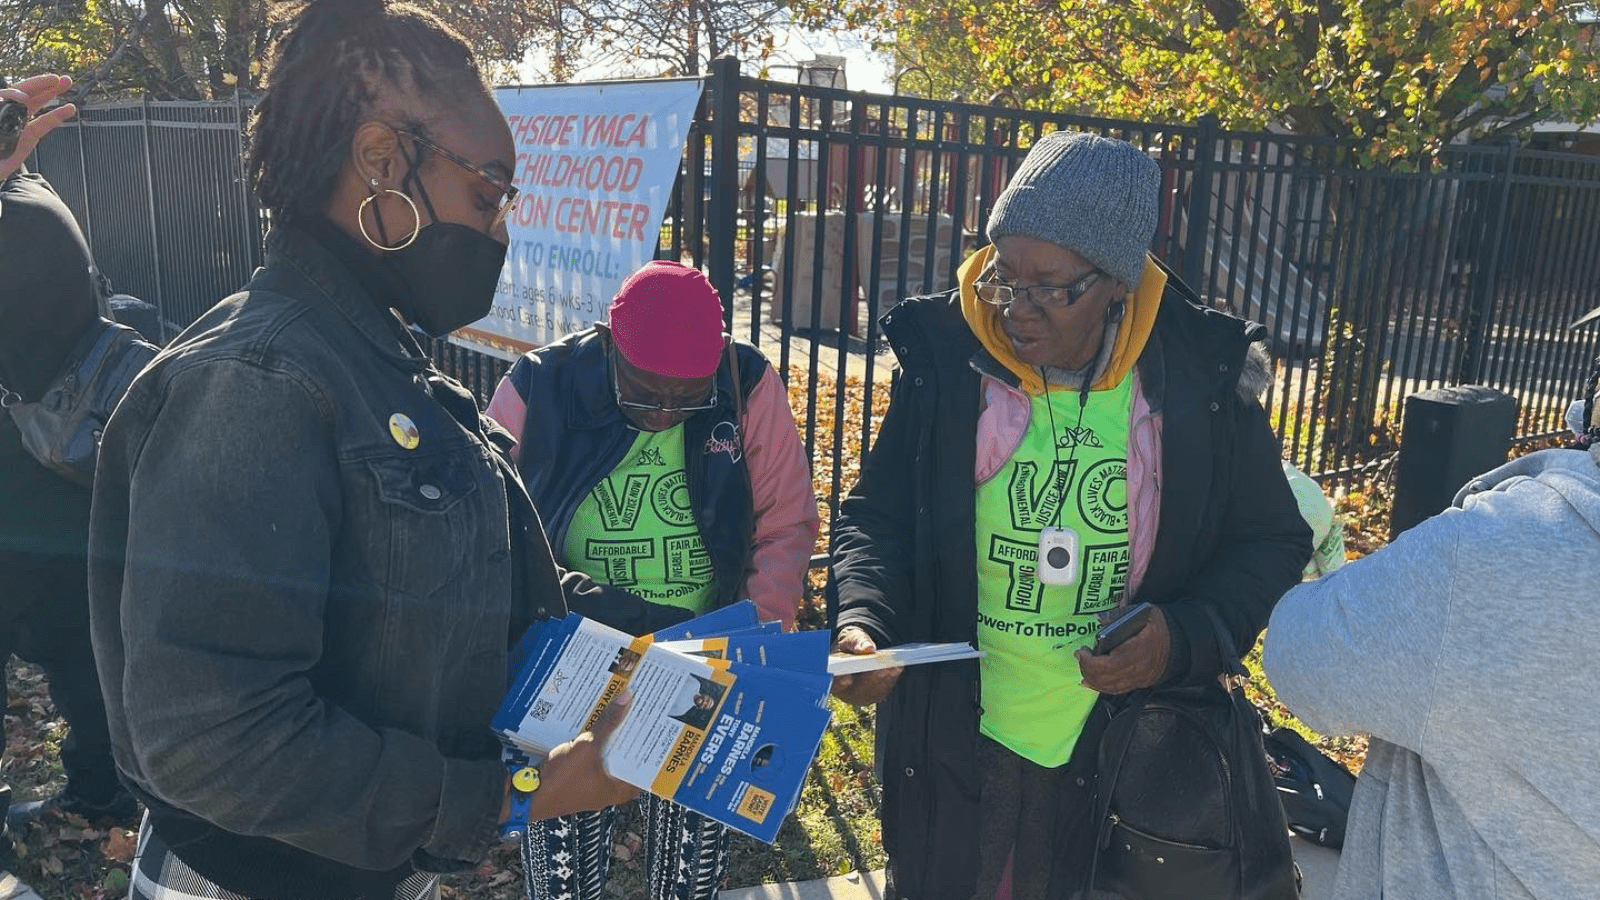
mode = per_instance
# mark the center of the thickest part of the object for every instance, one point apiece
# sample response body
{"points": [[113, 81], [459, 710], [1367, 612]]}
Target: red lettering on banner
{"points": [[552, 131], [532, 210], [608, 218], [617, 174], [632, 171], [636, 222], [615, 131], [544, 173]]}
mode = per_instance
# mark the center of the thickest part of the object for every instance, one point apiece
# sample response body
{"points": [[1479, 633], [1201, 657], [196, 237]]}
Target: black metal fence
{"points": [[159, 190], [813, 209], [1374, 282]]}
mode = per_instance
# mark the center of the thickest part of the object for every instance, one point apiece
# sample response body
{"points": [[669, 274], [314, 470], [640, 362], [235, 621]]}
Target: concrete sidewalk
{"points": [[1317, 863]]}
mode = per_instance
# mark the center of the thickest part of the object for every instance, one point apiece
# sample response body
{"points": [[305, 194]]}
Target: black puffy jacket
{"points": [[48, 296]]}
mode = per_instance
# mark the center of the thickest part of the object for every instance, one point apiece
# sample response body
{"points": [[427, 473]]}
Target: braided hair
{"points": [[332, 68]]}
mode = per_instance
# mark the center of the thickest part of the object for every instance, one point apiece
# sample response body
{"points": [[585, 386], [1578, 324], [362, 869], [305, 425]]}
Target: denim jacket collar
{"points": [[298, 257]]}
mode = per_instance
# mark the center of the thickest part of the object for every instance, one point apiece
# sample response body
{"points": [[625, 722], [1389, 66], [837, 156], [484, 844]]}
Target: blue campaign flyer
{"points": [[740, 617], [798, 651], [722, 620], [747, 768], [530, 662], [727, 739]]}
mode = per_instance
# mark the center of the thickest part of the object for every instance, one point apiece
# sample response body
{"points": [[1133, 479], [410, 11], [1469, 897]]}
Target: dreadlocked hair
{"points": [[333, 65], [1590, 436]]}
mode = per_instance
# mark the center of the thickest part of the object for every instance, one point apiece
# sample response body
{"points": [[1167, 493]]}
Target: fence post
{"points": [[1475, 341], [1198, 208], [721, 216], [252, 232], [155, 232], [83, 172]]}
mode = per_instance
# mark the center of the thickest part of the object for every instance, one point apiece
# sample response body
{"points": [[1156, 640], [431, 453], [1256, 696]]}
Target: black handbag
{"points": [[62, 429], [1185, 805]]}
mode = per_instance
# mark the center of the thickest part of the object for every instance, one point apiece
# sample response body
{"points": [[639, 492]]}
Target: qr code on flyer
{"points": [[541, 710]]}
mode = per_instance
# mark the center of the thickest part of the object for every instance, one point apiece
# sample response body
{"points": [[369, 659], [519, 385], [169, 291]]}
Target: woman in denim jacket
{"points": [[309, 555]]}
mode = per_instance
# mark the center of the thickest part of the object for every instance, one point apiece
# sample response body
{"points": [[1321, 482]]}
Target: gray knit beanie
{"points": [[1093, 195]]}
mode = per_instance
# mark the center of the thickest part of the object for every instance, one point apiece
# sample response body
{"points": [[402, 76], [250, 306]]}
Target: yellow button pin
{"points": [[404, 431], [526, 779]]}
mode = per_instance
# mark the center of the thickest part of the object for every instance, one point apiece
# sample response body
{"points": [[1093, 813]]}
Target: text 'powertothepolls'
{"points": [[725, 719]]}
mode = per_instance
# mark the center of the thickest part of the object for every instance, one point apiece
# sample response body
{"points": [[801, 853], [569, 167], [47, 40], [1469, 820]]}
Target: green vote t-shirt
{"points": [[636, 528], [1074, 475]]}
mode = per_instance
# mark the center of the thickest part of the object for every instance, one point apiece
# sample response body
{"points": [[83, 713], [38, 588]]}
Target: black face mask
{"points": [[452, 272]]}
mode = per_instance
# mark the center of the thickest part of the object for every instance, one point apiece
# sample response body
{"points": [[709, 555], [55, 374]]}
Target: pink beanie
{"points": [[667, 319]]}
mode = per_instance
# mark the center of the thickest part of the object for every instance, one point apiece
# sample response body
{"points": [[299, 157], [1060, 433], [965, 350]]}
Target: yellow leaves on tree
{"points": [[1411, 75]]}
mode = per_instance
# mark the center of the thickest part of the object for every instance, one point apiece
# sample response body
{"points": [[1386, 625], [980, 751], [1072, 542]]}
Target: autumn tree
{"points": [[1403, 75], [205, 49], [1398, 79], [955, 72]]}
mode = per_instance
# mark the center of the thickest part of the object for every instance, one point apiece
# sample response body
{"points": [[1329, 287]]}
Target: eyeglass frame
{"points": [[509, 191], [1074, 292], [635, 406]]}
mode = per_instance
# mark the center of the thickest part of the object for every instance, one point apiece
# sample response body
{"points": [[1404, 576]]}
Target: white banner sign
{"points": [[595, 166]]}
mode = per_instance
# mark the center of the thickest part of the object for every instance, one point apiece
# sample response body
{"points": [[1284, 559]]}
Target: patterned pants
{"points": [[569, 858], [158, 875]]}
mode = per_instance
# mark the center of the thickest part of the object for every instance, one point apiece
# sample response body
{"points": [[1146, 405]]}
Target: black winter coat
{"points": [[905, 564], [48, 297]]}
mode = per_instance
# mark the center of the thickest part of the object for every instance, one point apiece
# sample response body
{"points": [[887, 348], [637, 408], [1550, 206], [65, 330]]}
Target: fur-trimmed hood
{"points": [[1256, 375]]}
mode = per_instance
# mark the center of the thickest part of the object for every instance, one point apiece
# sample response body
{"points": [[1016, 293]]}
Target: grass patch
{"points": [[834, 829]]}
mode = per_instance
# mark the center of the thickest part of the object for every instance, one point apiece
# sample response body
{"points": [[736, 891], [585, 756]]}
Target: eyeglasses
{"points": [[1044, 296], [508, 191], [635, 406]]}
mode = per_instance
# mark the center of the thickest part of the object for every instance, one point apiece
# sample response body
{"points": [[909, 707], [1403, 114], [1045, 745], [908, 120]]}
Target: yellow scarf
{"points": [[1140, 318]]}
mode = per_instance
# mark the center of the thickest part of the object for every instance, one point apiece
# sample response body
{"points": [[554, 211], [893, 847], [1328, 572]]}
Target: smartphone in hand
{"points": [[1127, 623], [13, 119]]}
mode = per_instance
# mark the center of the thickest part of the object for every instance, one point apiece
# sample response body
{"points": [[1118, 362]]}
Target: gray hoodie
{"points": [[1467, 650]]}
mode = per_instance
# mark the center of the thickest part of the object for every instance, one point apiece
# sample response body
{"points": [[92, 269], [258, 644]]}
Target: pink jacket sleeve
{"points": [[509, 409], [786, 517]]}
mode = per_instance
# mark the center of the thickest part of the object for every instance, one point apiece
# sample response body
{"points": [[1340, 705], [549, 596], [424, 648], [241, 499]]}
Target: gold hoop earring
{"points": [[415, 228]]}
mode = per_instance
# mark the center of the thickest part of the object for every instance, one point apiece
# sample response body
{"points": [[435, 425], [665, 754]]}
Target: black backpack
{"points": [[1314, 788]]}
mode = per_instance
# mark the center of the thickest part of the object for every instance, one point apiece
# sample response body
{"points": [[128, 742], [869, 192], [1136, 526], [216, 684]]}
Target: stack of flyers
{"points": [[796, 651], [709, 726], [900, 655], [735, 617]]}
